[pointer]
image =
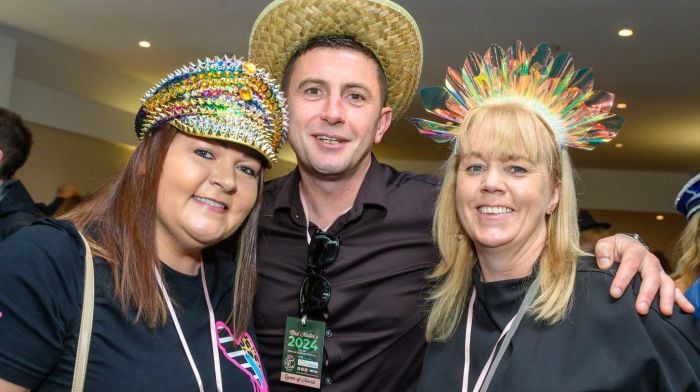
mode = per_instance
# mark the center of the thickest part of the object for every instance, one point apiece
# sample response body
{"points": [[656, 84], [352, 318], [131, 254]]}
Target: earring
{"points": [[459, 236]]}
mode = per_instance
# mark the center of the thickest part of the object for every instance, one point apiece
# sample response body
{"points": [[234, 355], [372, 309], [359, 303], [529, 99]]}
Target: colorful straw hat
{"points": [[223, 98], [380, 25]]}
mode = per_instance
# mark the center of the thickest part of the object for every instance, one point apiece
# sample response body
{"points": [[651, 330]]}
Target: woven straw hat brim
{"points": [[382, 26]]}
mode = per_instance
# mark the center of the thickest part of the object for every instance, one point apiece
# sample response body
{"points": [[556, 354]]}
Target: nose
{"points": [[333, 112], [492, 181], [223, 177]]}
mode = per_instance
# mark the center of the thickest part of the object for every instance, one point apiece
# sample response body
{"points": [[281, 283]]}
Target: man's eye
{"points": [[313, 91], [356, 97], [204, 153]]}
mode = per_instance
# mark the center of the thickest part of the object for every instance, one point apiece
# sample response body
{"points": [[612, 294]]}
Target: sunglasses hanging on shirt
{"points": [[315, 291]]}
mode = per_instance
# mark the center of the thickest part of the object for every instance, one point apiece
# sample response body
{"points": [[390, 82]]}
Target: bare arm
{"points": [[633, 258]]}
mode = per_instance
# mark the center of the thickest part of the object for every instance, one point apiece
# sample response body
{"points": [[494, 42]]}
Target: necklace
{"points": [[183, 341]]}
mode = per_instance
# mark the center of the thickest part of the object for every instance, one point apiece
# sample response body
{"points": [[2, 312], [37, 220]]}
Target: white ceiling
{"points": [[87, 48]]}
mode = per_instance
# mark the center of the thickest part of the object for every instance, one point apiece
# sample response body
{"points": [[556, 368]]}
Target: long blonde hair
{"points": [[687, 252], [514, 130]]}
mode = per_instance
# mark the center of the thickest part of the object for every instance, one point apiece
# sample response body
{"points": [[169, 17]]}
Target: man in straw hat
{"points": [[351, 316]]}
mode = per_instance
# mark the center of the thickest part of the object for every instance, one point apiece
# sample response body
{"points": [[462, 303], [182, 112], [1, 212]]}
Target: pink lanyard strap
{"points": [[183, 341], [504, 339]]}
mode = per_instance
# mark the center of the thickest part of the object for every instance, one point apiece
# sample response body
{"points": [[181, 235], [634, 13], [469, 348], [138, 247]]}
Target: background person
{"points": [[348, 69], [67, 197], [687, 247], [517, 305], [171, 313], [590, 231], [16, 205]]}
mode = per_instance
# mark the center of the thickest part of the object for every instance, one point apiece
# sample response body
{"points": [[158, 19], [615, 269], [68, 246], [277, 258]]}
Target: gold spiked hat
{"points": [[223, 98], [383, 26]]}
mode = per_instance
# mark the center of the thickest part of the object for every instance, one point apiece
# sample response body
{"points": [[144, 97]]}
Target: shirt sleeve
{"points": [[41, 280]]}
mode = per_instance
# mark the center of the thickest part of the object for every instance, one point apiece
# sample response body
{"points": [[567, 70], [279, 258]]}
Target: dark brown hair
{"points": [[119, 222], [15, 143]]}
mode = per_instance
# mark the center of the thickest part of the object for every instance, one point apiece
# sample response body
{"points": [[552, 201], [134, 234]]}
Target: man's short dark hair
{"points": [[335, 42], [15, 143]]}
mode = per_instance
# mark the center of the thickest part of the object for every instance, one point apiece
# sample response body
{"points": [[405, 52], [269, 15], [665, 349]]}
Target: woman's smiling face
{"points": [[206, 191], [504, 183], [503, 202]]}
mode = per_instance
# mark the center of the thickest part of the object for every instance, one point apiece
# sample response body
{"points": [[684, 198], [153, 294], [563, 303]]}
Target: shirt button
{"points": [[329, 334], [328, 380]]}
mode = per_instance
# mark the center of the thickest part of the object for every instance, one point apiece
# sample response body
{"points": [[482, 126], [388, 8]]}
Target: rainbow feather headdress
{"points": [[221, 98], [563, 96]]}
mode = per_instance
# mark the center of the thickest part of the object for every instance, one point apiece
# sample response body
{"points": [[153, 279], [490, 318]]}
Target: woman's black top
{"points": [[601, 345], [41, 290]]}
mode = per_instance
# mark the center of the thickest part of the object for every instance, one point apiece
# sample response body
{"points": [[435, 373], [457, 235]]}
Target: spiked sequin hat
{"points": [[223, 98]]}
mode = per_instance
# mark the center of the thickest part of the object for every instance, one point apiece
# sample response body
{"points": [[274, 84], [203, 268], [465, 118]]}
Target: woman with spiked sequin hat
{"points": [[687, 249], [517, 306], [159, 307]]}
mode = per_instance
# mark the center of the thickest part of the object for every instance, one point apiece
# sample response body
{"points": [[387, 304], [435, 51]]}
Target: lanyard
{"points": [[306, 216], [504, 339], [183, 341]]}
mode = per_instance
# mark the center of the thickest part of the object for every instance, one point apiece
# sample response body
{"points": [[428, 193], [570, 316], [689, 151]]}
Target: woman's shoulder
{"points": [[593, 284], [587, 264], [592, 297], [47, 246], [45, 233]]}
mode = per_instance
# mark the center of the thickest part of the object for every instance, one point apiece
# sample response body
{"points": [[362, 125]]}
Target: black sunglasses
{"points": [[315, 292]]}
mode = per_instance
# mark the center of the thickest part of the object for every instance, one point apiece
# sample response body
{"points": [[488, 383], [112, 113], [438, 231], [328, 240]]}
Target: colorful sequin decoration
{"points": [[563, 96], [222, 98]]}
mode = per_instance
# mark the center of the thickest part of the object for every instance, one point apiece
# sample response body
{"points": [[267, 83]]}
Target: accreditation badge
{"points": [[302, 358]]}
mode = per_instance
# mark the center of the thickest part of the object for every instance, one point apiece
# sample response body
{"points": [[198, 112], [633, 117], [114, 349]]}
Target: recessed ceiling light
{"points": [[621, 105], [659, 217], [619, 145], [625, 33], [144, 44]]}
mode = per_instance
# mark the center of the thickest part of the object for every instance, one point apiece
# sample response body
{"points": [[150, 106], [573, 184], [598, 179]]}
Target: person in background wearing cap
{"points": [[590, 231], [687, 247], [171, 313], [17, 208], [345, 241]]}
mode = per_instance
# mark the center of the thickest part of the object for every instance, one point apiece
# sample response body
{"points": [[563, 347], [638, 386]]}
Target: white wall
{"points": [[8, 47], [57, 109], [624, 190]]}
